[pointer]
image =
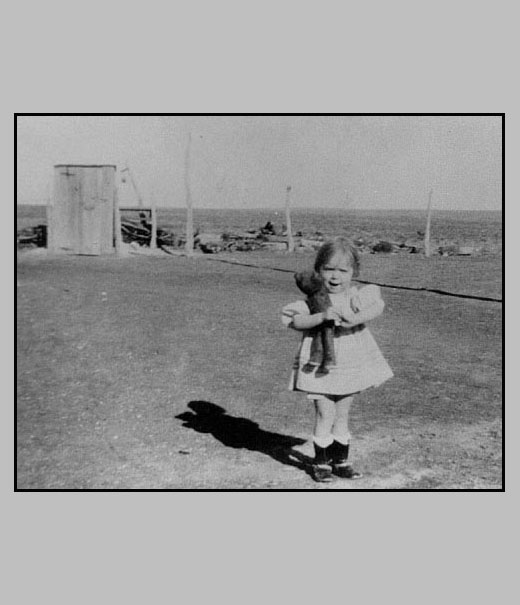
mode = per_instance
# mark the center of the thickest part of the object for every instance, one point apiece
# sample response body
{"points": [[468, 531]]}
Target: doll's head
{"points": [[337, 248], [309, 282]]}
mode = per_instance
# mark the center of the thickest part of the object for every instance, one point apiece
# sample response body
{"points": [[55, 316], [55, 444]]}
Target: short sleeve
{"points": [[369, 295], [369, 302], [289, 311]]}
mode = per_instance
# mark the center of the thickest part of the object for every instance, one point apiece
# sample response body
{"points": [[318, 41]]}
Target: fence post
{"points": [[427, 250], [153, 234], [189, 207], [290, 240]]}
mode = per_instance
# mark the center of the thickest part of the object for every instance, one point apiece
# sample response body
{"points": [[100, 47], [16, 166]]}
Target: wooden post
{"points": [[427, 250], [134, 185], [50, 227], [50, 221], [189, 208], [153, 234], [290, 240]]}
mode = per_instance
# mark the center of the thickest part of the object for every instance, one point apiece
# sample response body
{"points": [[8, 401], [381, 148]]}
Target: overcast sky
{"points": [[366, 162]]}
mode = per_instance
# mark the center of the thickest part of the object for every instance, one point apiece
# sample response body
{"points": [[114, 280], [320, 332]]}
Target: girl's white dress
{"points": [[359, 361]]}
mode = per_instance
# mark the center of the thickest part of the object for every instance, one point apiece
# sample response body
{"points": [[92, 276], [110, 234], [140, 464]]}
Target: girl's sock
{"points": [[338, 453], [321, 469], [323, 441]]}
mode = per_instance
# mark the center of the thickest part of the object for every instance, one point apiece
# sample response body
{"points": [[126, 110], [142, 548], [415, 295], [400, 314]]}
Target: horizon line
{"points": [[296, 208]]}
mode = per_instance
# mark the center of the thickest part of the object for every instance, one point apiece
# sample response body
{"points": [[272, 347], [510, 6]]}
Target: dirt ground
{"points": [[171, 373]]}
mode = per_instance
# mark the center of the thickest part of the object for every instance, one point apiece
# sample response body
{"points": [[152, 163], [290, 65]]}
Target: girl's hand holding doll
{"points": [[348, 320], [332, 314], [348, 317]]}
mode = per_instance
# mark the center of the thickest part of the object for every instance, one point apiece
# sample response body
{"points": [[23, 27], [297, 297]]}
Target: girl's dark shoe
{"points": [[338, 454], [321, 473], [346, 472], [321, 468]]}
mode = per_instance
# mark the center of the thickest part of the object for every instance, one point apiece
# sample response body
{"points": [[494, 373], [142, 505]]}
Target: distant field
{"points": [[478, 228], [30, 215]]}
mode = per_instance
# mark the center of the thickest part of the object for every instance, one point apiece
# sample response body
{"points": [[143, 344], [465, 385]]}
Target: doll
{"points": [[322, 347]]}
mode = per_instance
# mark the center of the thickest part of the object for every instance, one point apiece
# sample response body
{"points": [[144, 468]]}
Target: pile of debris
{"points": [[32, 237], [369, 244], [138, 233], [141, 233], [211, 243]]}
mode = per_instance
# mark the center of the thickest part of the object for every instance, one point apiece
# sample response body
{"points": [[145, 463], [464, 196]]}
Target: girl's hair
{"points": [[337, 245]]}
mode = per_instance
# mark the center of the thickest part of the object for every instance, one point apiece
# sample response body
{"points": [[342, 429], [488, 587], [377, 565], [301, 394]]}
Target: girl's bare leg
{"points": [[340, 429], [324, 420]]}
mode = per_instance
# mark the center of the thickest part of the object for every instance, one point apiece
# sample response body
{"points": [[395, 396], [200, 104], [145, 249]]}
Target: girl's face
{"points": [[337, 274]]}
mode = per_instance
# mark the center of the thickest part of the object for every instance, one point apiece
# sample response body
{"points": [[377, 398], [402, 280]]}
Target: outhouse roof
{"points": [[85, 165]]}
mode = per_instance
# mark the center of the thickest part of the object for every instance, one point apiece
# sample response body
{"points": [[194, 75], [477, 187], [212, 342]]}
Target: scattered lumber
{"points": [[139, 232], [32, 236], [142, 234]]}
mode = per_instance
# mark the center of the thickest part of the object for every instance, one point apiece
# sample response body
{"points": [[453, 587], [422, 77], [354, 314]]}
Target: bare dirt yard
{"points": [[171, 373]]}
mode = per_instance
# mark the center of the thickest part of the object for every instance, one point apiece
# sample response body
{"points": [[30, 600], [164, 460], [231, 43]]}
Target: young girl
{"points": [[359, 362]]}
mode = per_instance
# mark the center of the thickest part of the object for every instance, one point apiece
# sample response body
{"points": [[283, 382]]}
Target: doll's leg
{"points": [[322, 347], [328, 360], [315, 303], [316, 353], [329, 357]]}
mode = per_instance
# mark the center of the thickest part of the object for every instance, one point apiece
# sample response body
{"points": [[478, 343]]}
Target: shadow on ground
{"points": [[236, 432]]}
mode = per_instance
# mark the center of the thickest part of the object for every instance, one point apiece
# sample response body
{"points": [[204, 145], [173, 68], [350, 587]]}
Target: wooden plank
{"points": [[65, 212], [57, 201], [96, 230], [153, 234], [117, 222], [134, 209], [89, 231], [106, 203]]}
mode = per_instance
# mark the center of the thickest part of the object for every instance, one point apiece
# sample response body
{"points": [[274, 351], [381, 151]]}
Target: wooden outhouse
{"points": [[81, 219]]}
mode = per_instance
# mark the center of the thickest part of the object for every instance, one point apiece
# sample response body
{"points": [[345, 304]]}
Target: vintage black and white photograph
{"points": [[259, 302]]}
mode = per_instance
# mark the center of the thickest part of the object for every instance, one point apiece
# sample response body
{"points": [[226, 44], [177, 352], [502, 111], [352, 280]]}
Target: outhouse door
{"points": [[85, 208]]}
